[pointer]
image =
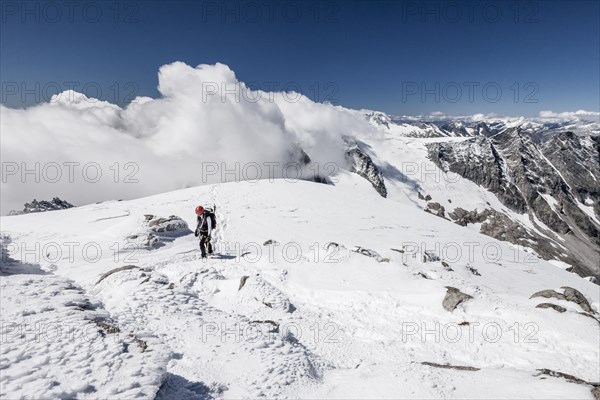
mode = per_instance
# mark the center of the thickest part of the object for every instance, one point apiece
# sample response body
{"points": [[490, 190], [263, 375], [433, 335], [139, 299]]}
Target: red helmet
{"points": [[199, 210]]}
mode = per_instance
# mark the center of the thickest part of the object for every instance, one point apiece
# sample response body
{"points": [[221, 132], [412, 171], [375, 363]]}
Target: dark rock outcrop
{"points": [[370, 253], [107, 328], [43, 206], [573, 379], [472, 270], [548, 294], [436, 209], [275, 325], [453, 298], [446, 266], [556, 374], [360, 163], [577, 297], [430, 256], [553, 306], [243, 280], [115, 270], [448, 366], [570, 294], [463, 217]]}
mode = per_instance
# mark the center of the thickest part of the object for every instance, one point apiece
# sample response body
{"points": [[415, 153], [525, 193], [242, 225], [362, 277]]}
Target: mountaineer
{"points": [[206, 224]]}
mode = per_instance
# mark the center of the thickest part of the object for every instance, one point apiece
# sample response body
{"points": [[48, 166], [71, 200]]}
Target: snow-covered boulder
{"points": [[453, 298], [156, 231], [370, 253]]}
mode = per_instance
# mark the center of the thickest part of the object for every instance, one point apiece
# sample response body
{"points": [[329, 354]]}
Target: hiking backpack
{"points": [[211, 213]]}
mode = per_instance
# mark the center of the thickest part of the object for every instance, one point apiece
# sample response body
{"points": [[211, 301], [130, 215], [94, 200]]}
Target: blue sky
{"points": [[401, 57]]}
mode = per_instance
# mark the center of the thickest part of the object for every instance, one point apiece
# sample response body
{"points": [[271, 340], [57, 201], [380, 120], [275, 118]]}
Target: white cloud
{"points": [[204, 115], [204, 119], [581, 115], [544, 116], [440, 116]]}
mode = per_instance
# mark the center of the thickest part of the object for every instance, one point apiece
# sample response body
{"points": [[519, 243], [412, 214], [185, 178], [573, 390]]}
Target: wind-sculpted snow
{"points": [[314, 319], [59, 343], [231, 346], [258, 293]]}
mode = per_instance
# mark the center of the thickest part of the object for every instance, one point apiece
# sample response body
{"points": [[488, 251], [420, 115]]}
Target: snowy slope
{"points": [[311, 319], [58, 342]]}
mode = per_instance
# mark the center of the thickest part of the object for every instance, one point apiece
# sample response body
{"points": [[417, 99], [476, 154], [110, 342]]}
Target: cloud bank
{"points": [[543, 116], [579, 115], [205, 127]]}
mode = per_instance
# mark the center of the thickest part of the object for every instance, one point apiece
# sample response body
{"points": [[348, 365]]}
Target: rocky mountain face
{"points": [[42, 206], [578, 160], [360, 163], [555, 183], [547, 170], [378, 118], [456, 129]]}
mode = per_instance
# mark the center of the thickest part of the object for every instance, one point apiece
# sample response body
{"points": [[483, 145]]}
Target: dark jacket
{"points": [[204, 225]]}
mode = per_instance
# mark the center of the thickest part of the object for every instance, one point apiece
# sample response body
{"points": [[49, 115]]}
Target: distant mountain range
{"points": [[548, 171], [433, 126]]}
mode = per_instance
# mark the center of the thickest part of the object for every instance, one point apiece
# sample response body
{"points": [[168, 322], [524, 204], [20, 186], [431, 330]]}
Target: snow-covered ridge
{"points": [[547, 124], [331, 322]]}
